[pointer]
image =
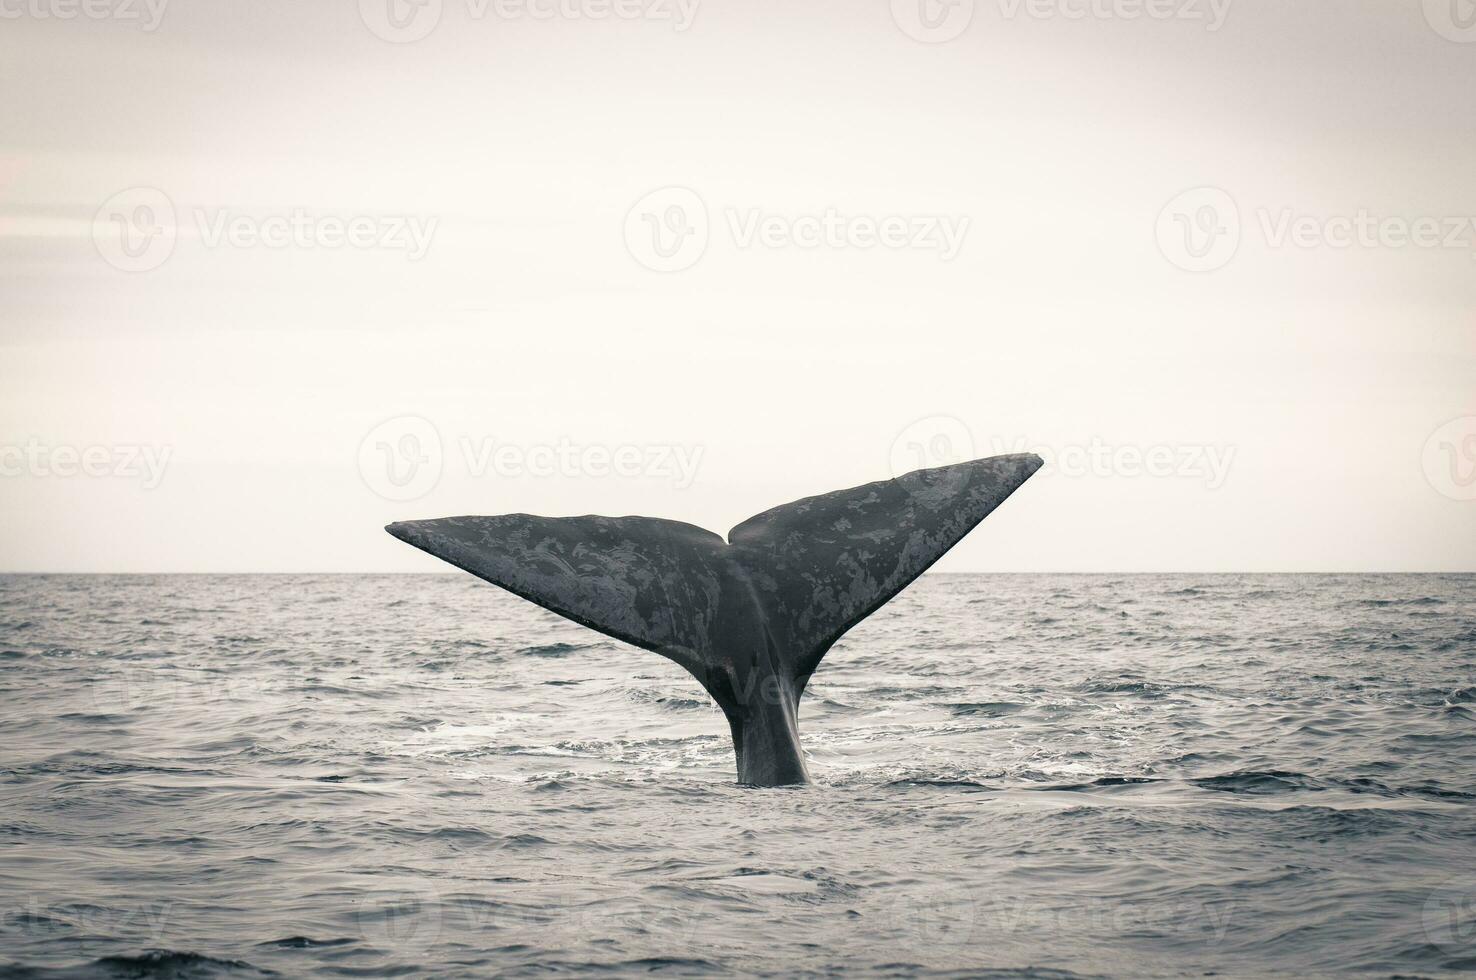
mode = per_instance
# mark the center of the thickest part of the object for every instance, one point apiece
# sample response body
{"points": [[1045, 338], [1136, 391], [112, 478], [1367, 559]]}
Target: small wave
{"points": [[1297, 775], [1103, 782], [1143, 688], [1257, 782], [679, 966], [1383, 603], [34, 922], [940, 783], [315, 688], [551, 649], [165, 964], [665, 701], [986, 709], [683, 704], [305, 942], [913, 693]]}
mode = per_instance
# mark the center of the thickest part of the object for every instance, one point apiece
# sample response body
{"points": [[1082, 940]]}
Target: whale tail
{"points": [[750, 617]]}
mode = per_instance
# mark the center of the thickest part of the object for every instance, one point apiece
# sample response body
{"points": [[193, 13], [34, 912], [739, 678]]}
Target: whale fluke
{"points": [[750, 617]]}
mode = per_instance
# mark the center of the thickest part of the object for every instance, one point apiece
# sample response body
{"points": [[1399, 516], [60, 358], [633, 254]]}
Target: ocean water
{"points": [[1027, 775]]}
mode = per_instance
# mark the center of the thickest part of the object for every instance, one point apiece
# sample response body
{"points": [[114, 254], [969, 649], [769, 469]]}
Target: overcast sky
{"points": [[274, 274]]}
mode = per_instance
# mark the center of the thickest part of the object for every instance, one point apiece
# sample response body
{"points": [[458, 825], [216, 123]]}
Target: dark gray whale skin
{"points": [[750, 617]]}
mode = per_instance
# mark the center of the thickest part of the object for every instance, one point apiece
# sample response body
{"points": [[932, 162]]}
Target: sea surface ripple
{"points": [[1018, 775]]}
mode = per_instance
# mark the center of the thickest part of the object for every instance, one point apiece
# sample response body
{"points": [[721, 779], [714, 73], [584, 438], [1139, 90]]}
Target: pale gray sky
{"points": [[1294, 393]]}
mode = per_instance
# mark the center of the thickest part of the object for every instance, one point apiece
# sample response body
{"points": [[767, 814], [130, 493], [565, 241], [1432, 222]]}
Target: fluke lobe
{"points": [[750, 617]]}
